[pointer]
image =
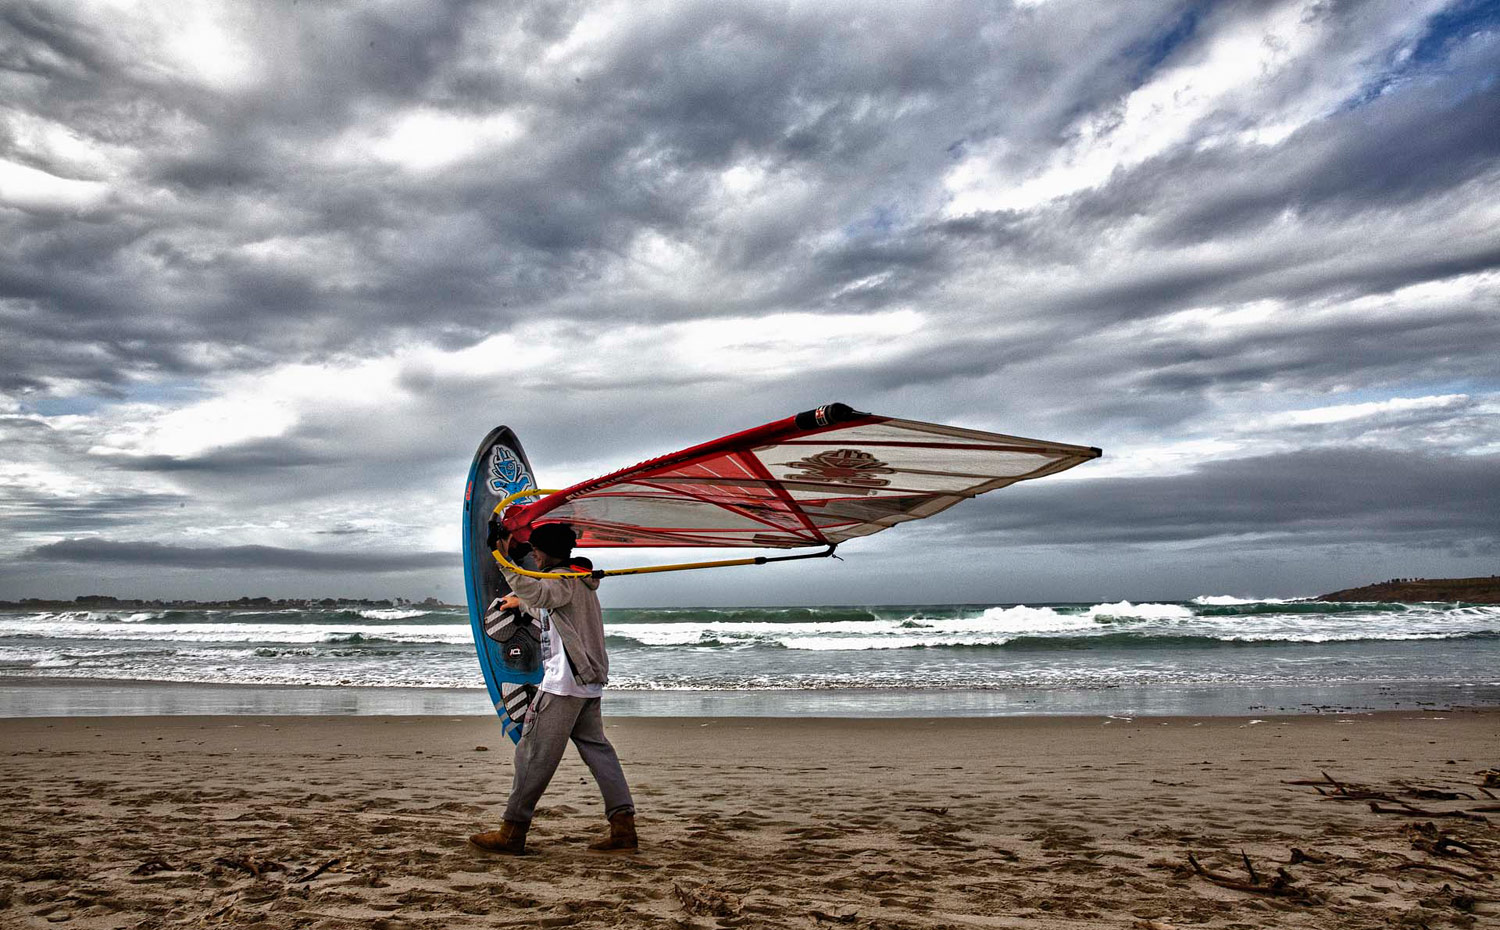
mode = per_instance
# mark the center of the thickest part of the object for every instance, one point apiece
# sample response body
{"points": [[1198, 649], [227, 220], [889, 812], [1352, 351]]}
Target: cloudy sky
{"points": [[269, 272]]}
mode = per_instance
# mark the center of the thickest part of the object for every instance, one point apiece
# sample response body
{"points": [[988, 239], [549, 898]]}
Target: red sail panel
{"points": [[814, 479]]}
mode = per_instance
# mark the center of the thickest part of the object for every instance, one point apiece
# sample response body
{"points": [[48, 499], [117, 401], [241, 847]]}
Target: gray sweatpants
{"points": [[555, 719]]}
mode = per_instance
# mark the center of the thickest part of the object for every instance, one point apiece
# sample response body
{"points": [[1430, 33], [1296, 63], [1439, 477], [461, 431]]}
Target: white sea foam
{"points": [[1124, 610], [140, 617], [391, 613], [993, 626], [62, 616], [1022, 620], [862, 643]]}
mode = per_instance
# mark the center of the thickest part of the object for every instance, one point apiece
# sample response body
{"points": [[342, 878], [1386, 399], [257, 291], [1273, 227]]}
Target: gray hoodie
{"points": [[575, 615]]}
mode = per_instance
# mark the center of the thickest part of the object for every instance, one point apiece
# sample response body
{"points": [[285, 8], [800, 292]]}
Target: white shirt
{"points": [[557, 677]]}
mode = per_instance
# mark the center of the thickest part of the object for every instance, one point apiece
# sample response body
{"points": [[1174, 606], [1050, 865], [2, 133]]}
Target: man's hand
{"points": [[509, 602], [498, 536]]}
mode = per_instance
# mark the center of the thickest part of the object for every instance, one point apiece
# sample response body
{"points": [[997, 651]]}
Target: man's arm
{"points": [[539, 592]]}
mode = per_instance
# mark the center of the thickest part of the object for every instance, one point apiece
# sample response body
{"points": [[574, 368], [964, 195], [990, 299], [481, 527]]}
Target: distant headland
{"points": [[1414, 590], [105, 602]]}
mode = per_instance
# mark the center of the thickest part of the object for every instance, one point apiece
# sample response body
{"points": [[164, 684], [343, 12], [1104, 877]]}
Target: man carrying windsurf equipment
{"points": [[567, 704], [810, 481]]}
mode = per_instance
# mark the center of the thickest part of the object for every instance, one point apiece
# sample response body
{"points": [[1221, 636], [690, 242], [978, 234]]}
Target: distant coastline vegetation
{"points": [[1484, 590]]}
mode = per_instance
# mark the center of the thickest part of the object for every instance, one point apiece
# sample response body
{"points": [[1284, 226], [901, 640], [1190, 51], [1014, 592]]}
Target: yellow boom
{"points": [[640, 570]]}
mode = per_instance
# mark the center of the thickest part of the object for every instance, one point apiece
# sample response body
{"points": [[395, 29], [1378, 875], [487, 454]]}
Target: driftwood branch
{"points": [[1406, 810], [834, 918], [1343, 792], [1448, 842], [1279, 887], [1254, 879], [1361, 794], [1433, 867], [1445, 845], [318, 871], [1434, 794]]}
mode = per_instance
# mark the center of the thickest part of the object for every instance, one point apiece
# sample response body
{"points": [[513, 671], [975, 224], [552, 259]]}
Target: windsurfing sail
{"points": [[815, 479]]}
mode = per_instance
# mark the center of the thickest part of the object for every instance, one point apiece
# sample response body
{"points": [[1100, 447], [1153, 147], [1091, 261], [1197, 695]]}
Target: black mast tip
{"points": [[826, 415]]}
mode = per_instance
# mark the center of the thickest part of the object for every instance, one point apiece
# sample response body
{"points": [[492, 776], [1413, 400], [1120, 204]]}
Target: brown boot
{"points": [[621, 834], [510, 839]]}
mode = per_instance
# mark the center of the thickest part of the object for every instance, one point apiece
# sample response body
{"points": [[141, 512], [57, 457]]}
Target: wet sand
{"points": [[1043, 822]]}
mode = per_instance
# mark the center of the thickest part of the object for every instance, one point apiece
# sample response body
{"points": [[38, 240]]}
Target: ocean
{"points": [[1208, 655]]}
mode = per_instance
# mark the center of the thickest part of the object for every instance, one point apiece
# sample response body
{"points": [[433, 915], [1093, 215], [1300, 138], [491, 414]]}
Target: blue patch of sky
{"points": [[1428, 51], [1147, 54], [1152, 51], [880, 221], [63, 406], [162, 393], [167, 393], [1454, 24]]}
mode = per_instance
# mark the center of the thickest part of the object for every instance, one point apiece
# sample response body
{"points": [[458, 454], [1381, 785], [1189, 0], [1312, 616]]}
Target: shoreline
{"points": [[1049, 823], [31, 697], [14, 725]]}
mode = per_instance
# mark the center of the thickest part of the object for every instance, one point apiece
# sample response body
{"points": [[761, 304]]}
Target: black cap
{"points": [[555, 539]]}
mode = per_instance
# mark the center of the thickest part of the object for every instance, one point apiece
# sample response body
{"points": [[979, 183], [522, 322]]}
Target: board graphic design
{"points": [[508, 642]]}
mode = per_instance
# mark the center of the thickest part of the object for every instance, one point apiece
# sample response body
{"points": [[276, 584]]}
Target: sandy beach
{"points": [[333, 822]]}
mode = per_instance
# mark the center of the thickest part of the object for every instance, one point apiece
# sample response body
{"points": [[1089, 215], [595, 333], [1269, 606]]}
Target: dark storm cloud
{"points": [[1433, 141], [158, 555], [30, 427], [257, 457], [1313, 498], [1353, 170], [181, 263], [1426, 140], [596, 172], [1442, 346], [865, 112], [33, 511], [39, 30], [345, 531]]}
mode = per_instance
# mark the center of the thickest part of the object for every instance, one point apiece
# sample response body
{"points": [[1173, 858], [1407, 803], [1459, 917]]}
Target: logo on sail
{"points": [[843, 466]]}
